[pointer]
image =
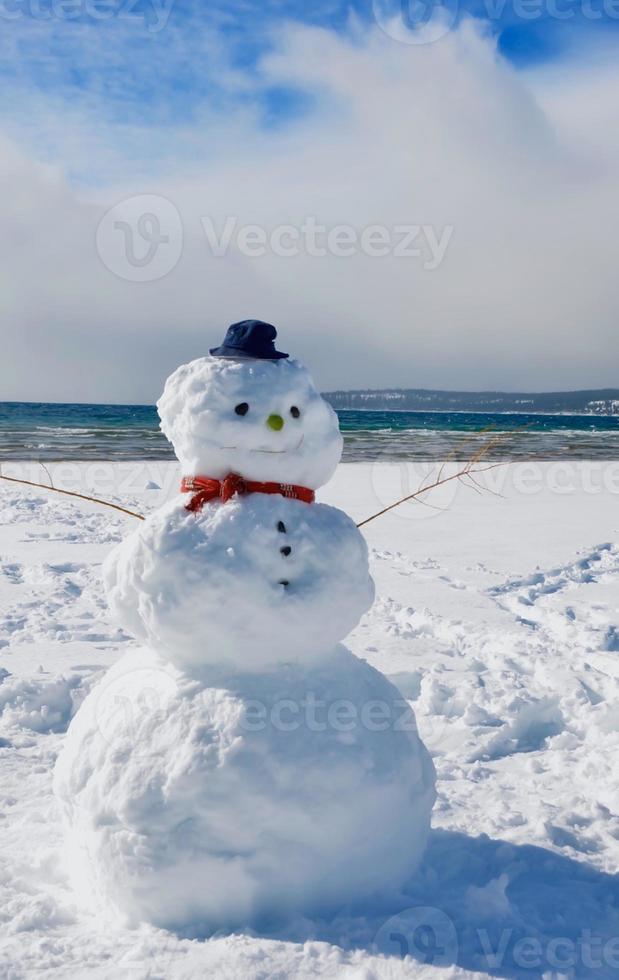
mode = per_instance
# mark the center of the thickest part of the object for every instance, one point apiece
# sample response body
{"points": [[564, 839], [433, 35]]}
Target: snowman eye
{"points": [[242, 409], [294, 411]]}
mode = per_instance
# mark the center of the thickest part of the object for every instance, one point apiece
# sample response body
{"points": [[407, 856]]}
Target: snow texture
{"points": [[487, 612]]}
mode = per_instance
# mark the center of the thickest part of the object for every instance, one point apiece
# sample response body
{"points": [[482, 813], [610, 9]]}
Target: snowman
{"points": [[241, 765]]}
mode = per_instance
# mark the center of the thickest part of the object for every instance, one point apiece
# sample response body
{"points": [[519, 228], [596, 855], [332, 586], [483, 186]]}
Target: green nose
{"points": [[275, 422]]}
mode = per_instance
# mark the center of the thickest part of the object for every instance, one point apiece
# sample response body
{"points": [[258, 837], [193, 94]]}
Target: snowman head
{"points": [[259, 417]]}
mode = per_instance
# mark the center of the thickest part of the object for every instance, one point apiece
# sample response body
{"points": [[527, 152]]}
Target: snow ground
{"points": [[498, 618]]}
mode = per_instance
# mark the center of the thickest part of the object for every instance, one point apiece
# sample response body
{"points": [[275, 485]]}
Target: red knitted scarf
{"points": [[204, 489]]}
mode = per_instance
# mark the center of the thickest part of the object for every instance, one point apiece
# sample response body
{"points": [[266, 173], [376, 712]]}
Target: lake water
{"points": [[47, 432]]}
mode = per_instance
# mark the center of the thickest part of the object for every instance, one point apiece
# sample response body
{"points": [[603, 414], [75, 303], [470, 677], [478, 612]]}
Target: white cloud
{"points": [[444, 134]]}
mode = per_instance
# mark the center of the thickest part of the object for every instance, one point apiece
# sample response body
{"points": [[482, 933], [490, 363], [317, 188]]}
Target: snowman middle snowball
{"points": [[193, 816]]}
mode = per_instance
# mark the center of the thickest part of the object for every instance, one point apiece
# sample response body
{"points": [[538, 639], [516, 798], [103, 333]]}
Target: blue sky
{"points": [[494, 133], [161, 61]]}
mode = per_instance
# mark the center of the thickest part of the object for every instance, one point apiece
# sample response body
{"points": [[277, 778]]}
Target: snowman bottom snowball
{"points": [[241, 764], [199, 808]]}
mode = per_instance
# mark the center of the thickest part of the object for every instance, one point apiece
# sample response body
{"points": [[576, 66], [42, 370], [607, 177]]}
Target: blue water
{"points": [[31, 431]]}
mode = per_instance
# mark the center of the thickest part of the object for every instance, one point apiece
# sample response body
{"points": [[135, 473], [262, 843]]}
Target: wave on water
{"points": [[43, 432]]}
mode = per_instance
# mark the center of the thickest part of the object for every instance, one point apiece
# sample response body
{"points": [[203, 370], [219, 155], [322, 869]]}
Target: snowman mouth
{"points": [[272, 452]]}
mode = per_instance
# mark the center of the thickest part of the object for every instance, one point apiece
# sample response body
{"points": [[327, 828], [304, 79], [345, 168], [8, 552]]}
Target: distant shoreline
{"points": [[477, 411], [594, 402]]}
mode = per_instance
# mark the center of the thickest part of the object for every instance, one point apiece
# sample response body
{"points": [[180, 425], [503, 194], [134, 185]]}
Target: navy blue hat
{"points": [[250, 338]]}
